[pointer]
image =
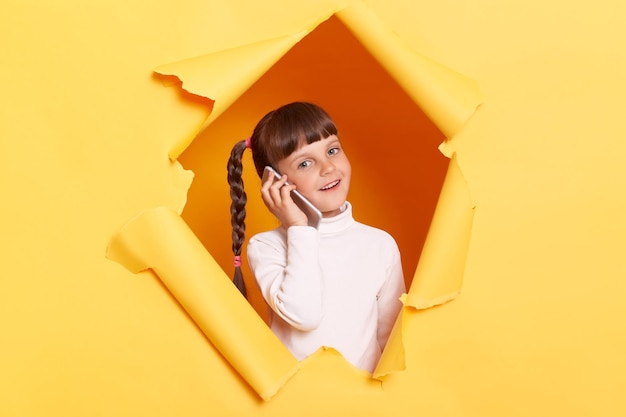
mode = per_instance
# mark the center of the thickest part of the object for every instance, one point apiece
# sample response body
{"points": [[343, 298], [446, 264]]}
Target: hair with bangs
{"points": [[277, 135], [284, 130]]}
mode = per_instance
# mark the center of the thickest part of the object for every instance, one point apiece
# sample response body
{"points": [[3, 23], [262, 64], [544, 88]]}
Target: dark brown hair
{"points": [[277, 135]]}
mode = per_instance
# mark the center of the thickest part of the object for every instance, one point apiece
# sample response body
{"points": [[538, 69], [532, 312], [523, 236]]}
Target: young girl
{"points": [[338, 285]]}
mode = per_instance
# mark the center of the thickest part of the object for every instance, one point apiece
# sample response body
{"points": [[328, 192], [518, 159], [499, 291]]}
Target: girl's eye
{"points": [[333, 151], [304, 164]]}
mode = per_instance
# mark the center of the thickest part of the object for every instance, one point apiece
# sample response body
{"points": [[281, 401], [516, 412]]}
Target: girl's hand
{"points": [[277, 197]]}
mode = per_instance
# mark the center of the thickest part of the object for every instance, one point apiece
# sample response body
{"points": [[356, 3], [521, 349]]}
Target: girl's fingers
{"points": [[276, 195], [272, 191], [271, 180], [285, 192]]}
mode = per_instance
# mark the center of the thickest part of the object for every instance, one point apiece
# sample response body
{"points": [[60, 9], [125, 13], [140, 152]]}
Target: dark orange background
{"points": [[397, 168]]}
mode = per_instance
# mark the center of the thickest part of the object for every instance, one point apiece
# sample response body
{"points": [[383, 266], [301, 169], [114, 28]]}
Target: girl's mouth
{"points": [[330, 185]]}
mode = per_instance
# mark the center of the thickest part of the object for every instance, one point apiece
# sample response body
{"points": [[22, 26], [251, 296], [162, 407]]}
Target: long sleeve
{"points": [[338, 286], [388, 298], [289, 275]]}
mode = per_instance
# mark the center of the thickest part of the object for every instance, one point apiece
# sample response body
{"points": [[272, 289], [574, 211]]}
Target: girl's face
{"points": [[321, 172]]}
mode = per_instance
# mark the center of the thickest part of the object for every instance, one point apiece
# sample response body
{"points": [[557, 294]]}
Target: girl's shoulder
{"points": [[374, 234], [275, 240], [279, 235], [376, 242], [262, 243], [268, 236]]}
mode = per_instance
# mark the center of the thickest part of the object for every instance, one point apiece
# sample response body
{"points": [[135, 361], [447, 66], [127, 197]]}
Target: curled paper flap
{"points": [[160, 240], [439, 273], [224, 76], [447, 97]]}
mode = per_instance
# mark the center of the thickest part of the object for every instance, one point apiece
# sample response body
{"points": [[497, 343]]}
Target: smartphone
{"points": [[312, 213]]}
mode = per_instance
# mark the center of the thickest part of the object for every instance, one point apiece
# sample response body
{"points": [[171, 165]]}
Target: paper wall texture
{"points": [[529, 225]]}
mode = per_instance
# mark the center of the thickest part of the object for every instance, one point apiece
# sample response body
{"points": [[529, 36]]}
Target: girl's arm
{"points": [[389, 304], [290, 277]]}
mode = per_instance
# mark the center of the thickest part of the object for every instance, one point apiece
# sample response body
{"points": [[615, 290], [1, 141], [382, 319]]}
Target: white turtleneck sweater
{"points": [[336, 286]]}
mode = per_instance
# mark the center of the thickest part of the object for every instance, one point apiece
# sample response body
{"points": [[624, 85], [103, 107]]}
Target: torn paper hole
{"points": [[160, 240]]}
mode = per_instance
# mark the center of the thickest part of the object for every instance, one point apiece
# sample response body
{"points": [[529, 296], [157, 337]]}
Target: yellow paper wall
{"points": [[85, 133]]}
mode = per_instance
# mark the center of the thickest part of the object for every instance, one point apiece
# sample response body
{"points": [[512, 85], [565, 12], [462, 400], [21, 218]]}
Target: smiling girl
{"points": [[338, 285]]}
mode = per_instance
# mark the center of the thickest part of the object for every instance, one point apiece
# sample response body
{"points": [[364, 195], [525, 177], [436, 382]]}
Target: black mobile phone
{"points": [[312, 213]]}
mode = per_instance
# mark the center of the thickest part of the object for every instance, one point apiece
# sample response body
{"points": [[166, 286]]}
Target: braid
{"points": [[237, 208]]}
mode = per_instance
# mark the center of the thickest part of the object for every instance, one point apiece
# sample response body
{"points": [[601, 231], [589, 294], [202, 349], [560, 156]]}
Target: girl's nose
{"points": [[327, 168]]}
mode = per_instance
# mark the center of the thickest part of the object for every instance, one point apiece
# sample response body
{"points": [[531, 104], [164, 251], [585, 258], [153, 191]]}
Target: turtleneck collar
{"points": [[338, 223]]}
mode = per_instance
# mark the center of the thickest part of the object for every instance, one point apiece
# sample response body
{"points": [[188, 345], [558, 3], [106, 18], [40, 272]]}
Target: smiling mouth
{"points": [[330, 185]]}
